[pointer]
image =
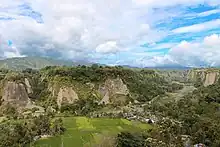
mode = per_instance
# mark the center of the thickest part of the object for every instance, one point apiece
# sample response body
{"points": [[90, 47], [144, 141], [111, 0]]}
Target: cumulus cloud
{"points": [[108, 47], [75, 27], [204, 53], [85, 29], [193, 54]]}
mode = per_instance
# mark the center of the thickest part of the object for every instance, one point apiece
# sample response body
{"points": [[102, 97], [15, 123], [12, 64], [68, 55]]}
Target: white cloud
{"points": [[153, 61], [78, 27], [108, 47], [207, 13], [161, 46], [85, 29], [205, 52], [166, 3], [194, 54], [198, 27]]}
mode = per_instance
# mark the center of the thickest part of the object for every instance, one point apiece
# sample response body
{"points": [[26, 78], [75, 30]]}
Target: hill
{"points": [[167, 99]]}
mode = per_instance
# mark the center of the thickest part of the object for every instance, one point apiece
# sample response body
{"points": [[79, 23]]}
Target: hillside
{"points": [[203, 76], [167, 100], [105, 84], [31, 62]]}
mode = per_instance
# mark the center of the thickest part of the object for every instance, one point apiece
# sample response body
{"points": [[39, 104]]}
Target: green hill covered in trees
{"points": [[181, 108]]}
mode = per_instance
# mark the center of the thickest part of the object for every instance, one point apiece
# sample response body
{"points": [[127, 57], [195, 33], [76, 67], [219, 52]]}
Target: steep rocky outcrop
{"points": [[28, 86], [112, 87], [63, 94], [211, 78], [66, 95], [174, 75], [15, 93], [206, 76]]}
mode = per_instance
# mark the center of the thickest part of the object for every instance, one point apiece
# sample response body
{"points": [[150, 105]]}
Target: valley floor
{"points": [[83, 131]]}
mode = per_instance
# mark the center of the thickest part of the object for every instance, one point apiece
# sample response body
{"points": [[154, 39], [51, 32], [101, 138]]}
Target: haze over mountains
{"points": [[20, 63]]}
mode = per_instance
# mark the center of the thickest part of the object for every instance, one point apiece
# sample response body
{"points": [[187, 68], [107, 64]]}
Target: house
{"points": [[199, 145]]}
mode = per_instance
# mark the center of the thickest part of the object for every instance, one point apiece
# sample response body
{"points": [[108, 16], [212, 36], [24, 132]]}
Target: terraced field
{"points": [[83, 131]]}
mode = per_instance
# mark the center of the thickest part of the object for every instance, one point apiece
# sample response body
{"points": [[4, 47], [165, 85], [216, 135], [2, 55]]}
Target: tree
{"points": [[57, 127], [95, 66], [126, 139], [10, 111]]}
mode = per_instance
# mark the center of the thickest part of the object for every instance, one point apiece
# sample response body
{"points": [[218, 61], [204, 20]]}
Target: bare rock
{"points": [[28, 86], [66, 95], [112, 87], [15, 93], [207, 76], [211, 78]]}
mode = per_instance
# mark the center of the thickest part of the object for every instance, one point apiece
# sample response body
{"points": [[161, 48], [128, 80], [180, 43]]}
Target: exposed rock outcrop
{"points": [[15, 93], [66, 95], [112, 87], [211, 78], [28, 86], [206, 76]]}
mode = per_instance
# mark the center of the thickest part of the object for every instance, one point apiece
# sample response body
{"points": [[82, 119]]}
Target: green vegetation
{"points": [[9, 111], [81, 107], [126, 139], [82, 131], [196, 115], [167, 99], [20, 133], [143, 84]]}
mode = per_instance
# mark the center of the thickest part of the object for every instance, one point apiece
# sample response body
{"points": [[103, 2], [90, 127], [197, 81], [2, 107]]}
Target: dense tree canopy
{"points": [[20, 133]]}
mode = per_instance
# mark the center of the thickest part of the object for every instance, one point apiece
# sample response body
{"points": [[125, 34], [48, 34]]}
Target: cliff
{"points": [[205, 76], [55, 86], [15, 93], [111, 88]]}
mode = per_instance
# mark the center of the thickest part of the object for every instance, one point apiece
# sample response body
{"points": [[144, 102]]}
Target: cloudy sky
{"points": [[129, 32]]}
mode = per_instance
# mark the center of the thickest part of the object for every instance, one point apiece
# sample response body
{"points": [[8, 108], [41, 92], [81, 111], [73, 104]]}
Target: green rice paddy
{"points": [[82, 130]]}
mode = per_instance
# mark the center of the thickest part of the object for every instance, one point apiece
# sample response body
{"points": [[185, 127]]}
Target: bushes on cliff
{"points": [[14, 76], [144, 84], [9, 111], [81, 107]]}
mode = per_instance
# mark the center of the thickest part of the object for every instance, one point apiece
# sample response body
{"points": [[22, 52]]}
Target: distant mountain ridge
{"points": [[32, 62], [21, 63]]}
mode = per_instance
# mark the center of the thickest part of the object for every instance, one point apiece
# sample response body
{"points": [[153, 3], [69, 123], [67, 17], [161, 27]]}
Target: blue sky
{"points": [[127, 32]]}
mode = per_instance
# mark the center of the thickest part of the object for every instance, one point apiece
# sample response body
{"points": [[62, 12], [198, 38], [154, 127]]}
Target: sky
{"points": [[143, 33]]}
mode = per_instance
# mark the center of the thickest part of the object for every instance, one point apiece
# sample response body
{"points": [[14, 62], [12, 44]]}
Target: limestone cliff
{"points": [[15, 93], [111, 88], [66, 95], [206, 76], [63, 94], [28, 86]]}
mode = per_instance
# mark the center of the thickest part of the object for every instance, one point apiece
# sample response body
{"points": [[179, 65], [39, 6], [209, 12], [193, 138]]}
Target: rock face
{"points": [[15, 93], [207, 76], [66, 95], [211, 78], [112, 87], [28, 86]]}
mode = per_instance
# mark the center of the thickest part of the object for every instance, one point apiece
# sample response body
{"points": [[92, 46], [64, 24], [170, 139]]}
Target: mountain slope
{"points": [[31, 62]]}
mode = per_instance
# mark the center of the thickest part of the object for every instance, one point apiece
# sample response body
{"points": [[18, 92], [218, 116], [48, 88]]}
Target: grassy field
{"points": [[82, 130]]}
